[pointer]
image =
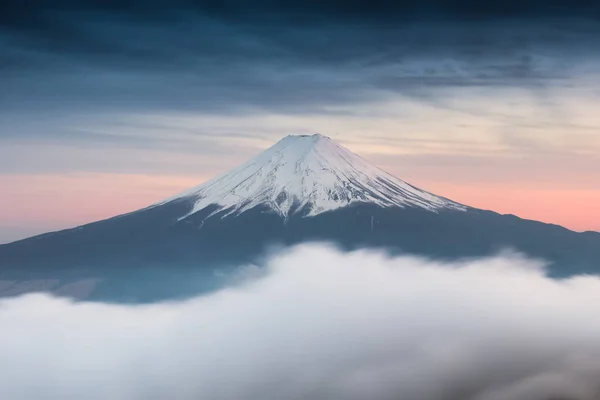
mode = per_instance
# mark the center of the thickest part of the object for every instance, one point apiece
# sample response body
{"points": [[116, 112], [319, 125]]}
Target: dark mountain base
{"points": [[149, 255]]}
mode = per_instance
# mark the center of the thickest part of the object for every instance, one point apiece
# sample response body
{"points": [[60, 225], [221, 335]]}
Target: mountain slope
{"points": [[303, 188], [309, 174]]}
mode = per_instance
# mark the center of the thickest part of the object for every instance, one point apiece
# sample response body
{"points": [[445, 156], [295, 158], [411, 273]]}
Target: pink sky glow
{"points": [[40, 203]]}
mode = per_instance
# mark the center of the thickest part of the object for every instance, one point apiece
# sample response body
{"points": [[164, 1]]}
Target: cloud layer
{"points": [[320, 324], [292, 57]]}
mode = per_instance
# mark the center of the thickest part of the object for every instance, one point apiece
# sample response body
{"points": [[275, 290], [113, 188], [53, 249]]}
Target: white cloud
{"points": [[321, 324]]}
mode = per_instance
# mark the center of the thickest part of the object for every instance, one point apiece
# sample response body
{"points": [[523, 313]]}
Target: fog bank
{"points": [[320, 324]]}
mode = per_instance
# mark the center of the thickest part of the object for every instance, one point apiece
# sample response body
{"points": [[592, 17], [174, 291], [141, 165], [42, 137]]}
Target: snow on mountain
{"points": [[311, 174]]}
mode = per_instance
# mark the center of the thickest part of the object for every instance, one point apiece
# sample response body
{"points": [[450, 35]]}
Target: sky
{"points": [[106, 107]]}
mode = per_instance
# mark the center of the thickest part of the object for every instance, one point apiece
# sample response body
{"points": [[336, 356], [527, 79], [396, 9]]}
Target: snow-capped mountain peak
{"points": [[310, 174]]}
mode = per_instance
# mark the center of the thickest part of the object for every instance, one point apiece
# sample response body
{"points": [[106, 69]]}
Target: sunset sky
{"points": [[106, 110]]}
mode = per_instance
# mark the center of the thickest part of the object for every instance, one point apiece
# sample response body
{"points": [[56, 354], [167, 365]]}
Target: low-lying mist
{"points": [[320, 324]]}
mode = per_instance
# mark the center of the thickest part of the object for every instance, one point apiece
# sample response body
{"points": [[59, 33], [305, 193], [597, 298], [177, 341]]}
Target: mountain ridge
{"points": [[177, 247]]}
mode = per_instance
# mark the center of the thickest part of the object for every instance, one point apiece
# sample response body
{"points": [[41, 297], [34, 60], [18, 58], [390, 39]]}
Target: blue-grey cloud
{"points": [[294, 57], [70, 70]]}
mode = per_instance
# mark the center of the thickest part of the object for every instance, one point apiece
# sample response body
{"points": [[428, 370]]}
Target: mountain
{"points": [[307, 175], [303, 188]]}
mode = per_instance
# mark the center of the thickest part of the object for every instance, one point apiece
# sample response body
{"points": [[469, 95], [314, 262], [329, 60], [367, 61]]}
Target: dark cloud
{"points": [[24, 12], [232, 57]]}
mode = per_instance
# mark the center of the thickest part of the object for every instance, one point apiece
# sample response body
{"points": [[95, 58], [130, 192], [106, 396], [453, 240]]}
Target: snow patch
{"points": [[311, 173]]}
